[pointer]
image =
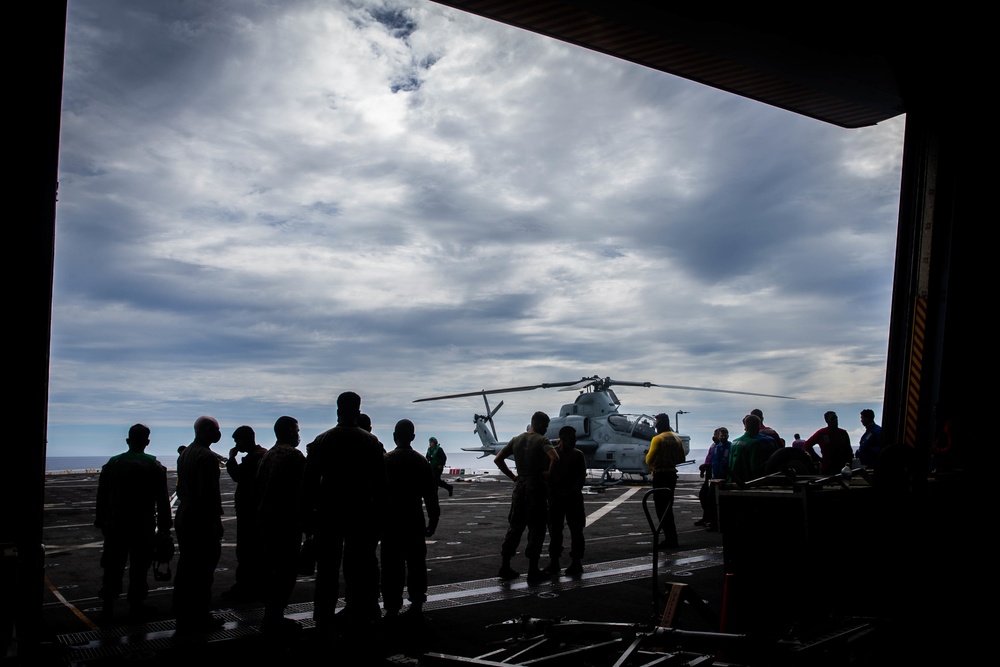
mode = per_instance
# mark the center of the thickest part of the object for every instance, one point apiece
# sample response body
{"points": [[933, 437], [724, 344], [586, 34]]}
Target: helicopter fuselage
{"points": [[609, 439]]}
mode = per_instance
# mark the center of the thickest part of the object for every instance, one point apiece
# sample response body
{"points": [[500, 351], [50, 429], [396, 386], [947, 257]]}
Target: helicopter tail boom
{"points": [[490, 443]]}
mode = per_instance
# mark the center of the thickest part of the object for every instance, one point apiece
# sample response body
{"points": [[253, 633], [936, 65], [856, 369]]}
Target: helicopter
{"points": [[609, 439]]}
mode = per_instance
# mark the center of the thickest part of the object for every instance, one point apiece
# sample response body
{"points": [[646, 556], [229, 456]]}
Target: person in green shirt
{"points": [[749, 453], [437, 458], [132, 505]]}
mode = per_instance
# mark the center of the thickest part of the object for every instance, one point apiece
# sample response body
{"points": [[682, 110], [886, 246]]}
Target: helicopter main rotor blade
{"points": [[585, 382], [604, 383], [717, 391], [600, 384], [507, 390]]}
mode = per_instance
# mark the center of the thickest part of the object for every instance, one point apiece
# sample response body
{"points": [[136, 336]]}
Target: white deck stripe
{"points": [[592, 519]]}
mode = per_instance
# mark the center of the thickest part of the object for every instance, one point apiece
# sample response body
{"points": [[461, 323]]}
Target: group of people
{"points": [[281, 496], [270, 515], [761, 451], [548, 494]]}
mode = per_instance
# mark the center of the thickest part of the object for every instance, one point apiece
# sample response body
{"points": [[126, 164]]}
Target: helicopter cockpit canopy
{"points": [[637, 426]]}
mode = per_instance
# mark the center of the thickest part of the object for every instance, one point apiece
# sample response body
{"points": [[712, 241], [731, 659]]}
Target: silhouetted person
{"points": [[132, 505], [245, 502], [566, 503], [834, 445], [365, 422], [871, 442], [279, 483], [718, 459], [346, 489], [705, 472], [437, 458], [749, 453], [779, 442], [534, 457], [666, 452], [404, 551], [199, 529]]}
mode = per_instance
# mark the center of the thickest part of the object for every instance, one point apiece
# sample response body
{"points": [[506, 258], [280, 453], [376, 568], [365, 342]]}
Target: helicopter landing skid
{"points": [[606, 481], [613, 477]]}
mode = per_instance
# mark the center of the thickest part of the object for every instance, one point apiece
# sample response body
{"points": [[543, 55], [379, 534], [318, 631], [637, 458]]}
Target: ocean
{"points": [[468, 461], [58, 464]]}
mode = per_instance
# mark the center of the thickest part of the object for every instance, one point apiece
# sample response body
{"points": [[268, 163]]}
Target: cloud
{"points": [[264, 204]]}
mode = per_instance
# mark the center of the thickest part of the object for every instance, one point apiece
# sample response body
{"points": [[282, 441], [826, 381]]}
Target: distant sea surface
{"points": [[469, 461], [55, 464], [74, 463]]}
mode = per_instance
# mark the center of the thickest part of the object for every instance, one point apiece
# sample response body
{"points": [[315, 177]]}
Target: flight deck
{"points": [[465, 596], [471, 616]]}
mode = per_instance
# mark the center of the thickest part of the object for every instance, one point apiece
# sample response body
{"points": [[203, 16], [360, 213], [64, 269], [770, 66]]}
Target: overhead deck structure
{"points": [[843, 64]]}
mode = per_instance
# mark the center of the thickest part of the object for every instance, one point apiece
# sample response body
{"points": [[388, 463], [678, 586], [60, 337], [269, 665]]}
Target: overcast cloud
{"points": [[264, 204]]}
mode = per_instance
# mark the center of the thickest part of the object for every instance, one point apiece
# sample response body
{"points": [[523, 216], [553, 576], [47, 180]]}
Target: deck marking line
{"points": [[592, 518], [79, 614]]}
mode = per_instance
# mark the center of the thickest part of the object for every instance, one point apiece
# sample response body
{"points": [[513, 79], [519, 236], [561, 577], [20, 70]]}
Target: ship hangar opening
{"points": [[845, 66]]}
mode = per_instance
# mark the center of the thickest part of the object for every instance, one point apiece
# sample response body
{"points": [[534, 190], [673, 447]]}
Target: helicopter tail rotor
{"points": [[488, 417]]}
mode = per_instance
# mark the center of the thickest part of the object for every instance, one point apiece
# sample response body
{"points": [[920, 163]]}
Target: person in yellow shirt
{"points": [[665, 451]]}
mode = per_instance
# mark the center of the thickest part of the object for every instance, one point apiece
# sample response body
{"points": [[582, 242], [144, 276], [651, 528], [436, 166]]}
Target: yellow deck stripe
{"points": [[79, 614]]}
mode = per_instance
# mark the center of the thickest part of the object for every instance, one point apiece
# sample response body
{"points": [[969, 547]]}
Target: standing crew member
{"points": [[528, 501], [749, 453], [365, 422], [704, 470], [665, 451], [871, 442], [132, 506], [199, 529], [404, 551], [718, 458], [437, 458], [245, 502], [345, 515], [566, 503], [779, 442], [279, 481], [834, 445]]}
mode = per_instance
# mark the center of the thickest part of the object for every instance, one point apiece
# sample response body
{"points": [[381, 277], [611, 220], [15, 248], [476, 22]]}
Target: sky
{"points": [[264, 204]]}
